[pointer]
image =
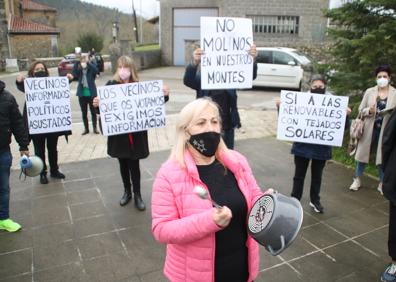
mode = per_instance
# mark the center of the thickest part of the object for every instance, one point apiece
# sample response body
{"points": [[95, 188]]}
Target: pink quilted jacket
{"points": [[184, 222]]}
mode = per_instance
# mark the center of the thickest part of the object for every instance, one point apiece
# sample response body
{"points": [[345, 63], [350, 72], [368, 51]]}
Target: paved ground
{"points": [[75, 230], [257, 110]]}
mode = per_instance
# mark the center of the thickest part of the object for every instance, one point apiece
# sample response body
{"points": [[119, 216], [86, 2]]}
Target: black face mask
{"points": [[206, 143], [318, 90], [40, 74]]}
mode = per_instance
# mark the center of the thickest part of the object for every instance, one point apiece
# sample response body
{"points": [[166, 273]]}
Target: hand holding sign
{"points": [[131, 107], [253, 51], [312, 118], [48, 104], [228, 53]]}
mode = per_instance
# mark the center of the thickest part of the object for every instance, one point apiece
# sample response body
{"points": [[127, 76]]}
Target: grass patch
{"points": [[150, 47], [340, 154]]}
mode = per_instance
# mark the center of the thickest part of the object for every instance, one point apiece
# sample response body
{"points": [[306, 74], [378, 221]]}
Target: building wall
{"points": [[30, 46], [166, 23], [3, 35], [46, 17], [312, 25]]}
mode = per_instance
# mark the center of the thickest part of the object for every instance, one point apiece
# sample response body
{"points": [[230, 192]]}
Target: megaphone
{"points": [[31, 166]]}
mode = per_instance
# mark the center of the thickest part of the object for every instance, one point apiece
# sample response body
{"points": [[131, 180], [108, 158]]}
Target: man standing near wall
{"points": [[11, 122]]}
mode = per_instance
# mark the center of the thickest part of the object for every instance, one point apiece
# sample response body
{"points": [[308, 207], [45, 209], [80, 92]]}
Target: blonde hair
{"points": [[84, 57], [187, 116], [127, 62]]}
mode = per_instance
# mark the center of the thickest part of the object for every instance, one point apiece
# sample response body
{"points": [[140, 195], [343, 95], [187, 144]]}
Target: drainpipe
{"points": [[8, 36]]}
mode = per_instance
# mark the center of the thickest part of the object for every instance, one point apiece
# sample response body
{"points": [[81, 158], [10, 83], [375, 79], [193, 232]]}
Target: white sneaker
{"points": [[379, 188], [355, 184]]}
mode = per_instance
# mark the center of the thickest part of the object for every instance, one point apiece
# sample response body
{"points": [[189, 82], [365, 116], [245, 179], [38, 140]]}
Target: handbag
{"points": [[355, 133]]}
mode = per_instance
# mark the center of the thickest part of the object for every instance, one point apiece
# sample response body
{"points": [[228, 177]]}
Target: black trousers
{"points": [[39, 150], [84, 102], [392, 232], [299, 177], [130, 170]]}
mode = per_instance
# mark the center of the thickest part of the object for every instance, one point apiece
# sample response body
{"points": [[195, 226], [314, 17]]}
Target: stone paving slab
{"points": [[256, 124], [75, 230]]}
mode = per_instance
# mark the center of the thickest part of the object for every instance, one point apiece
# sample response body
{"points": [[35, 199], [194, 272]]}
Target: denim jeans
{"points": [[5, 165], [374, 143], [360, 169]]}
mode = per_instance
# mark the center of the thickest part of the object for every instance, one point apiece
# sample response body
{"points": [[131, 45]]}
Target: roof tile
{"points": [[19, 25], [30, 5]]}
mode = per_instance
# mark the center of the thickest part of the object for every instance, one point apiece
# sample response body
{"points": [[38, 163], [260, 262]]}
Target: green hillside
{"points": [[75, 17]]}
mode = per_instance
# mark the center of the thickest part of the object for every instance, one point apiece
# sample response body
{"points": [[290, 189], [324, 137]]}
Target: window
{"points": [[264, 57], [281, 58], [275, 24]]}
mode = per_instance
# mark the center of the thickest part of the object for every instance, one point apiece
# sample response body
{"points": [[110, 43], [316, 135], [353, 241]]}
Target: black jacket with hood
{"points": [[11, 122]]}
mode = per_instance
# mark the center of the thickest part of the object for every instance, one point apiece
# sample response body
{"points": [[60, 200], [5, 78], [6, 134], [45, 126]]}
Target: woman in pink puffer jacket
{"points": [[205, 243]]}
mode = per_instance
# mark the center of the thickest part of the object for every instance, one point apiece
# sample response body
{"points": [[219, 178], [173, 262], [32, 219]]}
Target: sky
{"points": [[148, 8]]}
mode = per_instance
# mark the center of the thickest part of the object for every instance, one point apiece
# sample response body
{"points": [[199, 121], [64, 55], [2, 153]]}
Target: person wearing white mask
{"points": [[376, 106], [85, 72], [129, 148]]}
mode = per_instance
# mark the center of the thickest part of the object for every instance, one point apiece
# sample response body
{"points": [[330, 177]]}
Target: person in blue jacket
{"points": [[85, 73], [314, 153], [225, 98]]}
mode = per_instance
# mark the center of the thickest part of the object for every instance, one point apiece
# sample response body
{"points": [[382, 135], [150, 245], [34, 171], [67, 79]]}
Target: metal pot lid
{"points": [[261, 214]]}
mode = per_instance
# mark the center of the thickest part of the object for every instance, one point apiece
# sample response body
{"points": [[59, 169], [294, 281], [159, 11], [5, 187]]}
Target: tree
{"points": [[90, 40], [364, 33]]}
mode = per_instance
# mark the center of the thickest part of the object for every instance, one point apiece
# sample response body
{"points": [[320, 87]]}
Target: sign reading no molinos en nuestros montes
{"points": [[312, 118], [48, 104], [131, 107], [226, 63]]}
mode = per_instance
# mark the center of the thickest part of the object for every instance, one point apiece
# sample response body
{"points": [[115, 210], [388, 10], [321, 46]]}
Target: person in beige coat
{"points": [[376, 106]]}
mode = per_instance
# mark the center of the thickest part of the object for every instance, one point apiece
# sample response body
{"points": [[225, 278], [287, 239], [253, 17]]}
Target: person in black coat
{"points": [[11, 123], [39, 69], [389, 190], [85, 72], [225, 98], [317, 154], [131, 147]]}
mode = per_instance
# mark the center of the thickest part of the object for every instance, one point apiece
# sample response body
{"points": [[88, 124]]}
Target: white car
{"points": [[281, 67]]}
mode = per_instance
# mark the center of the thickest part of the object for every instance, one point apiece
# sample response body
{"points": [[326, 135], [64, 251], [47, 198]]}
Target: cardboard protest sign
{"points": [[131, 107], [226, 63], [48, 104], [312, 118]]}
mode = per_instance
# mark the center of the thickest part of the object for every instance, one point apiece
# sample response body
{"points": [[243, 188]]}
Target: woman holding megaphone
{"points": [[205, 238], [39, 69]]}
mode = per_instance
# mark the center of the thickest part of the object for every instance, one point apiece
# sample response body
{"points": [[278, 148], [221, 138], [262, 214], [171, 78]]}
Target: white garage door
{"points": [[186, 30]]}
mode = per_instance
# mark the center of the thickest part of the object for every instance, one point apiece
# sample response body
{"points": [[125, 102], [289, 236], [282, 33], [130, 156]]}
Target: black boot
{"points": [[43, 178], [126, 197], [57, 174], [86, 129], [95, 128], [139, 204]]}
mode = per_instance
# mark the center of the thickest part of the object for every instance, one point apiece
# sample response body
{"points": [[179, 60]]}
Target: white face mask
{"points": [[83, 65], [124, 73], [382, 82]]}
